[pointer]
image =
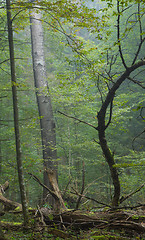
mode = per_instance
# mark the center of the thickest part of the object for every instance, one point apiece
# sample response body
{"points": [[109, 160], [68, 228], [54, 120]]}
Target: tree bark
{"points": [[59, 203], [111, 162], [54, 191], [47, 123], [16, 116], [102, 126]]}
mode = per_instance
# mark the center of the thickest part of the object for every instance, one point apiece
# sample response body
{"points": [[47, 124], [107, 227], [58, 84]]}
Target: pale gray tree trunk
{"points": [[16, 116], [47, 123]]}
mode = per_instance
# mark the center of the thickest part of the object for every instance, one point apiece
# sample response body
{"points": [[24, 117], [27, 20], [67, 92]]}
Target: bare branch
{"points": [[17, 14], [136, 138], [143, 70], [6, 60], [66, 115], [92, 199], [130, 194], [117, 84], [136, 82], [138, 50]]}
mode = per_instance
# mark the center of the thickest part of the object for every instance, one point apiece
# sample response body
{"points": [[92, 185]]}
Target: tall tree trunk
{"points": [[47, 123], [16, 117]]}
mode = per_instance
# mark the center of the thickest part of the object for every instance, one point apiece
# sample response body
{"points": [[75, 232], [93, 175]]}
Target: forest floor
{"points": [[92, 234], [118, 225]]}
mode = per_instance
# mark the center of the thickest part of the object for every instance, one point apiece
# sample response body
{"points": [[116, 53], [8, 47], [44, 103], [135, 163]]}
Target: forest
{"points": [[72, 122]]}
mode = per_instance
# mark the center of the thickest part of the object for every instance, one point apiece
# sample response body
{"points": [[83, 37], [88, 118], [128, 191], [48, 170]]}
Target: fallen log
{"points": [[8, 204], [85, 220]]}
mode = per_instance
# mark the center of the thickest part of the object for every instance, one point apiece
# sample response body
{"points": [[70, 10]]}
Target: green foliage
{"points": [[81, 51]]}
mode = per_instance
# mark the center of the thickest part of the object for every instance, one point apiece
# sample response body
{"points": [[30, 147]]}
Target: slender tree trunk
{"points": [[0, 159], [16, 117], [47, 123], [110, 160]]}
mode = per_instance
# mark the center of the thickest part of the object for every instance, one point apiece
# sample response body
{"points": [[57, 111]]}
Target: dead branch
{"points": [[8, 204], [92, 199], [42, 217], [4, 187], [44, 186], [130, 194], [128, 225], [55, 193], [80, 220]]}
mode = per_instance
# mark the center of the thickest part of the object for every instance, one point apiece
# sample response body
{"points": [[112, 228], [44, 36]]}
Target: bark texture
{"points": [[47, 123]]}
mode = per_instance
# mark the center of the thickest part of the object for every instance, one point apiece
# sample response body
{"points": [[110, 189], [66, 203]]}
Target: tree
{"points": [[47, 123], [108, 102], [16, 117], [111, 79]]}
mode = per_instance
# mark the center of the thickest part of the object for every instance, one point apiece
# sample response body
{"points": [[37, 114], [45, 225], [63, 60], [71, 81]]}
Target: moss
{"points": [[105, 237], [11, 223], [17, 209]]}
